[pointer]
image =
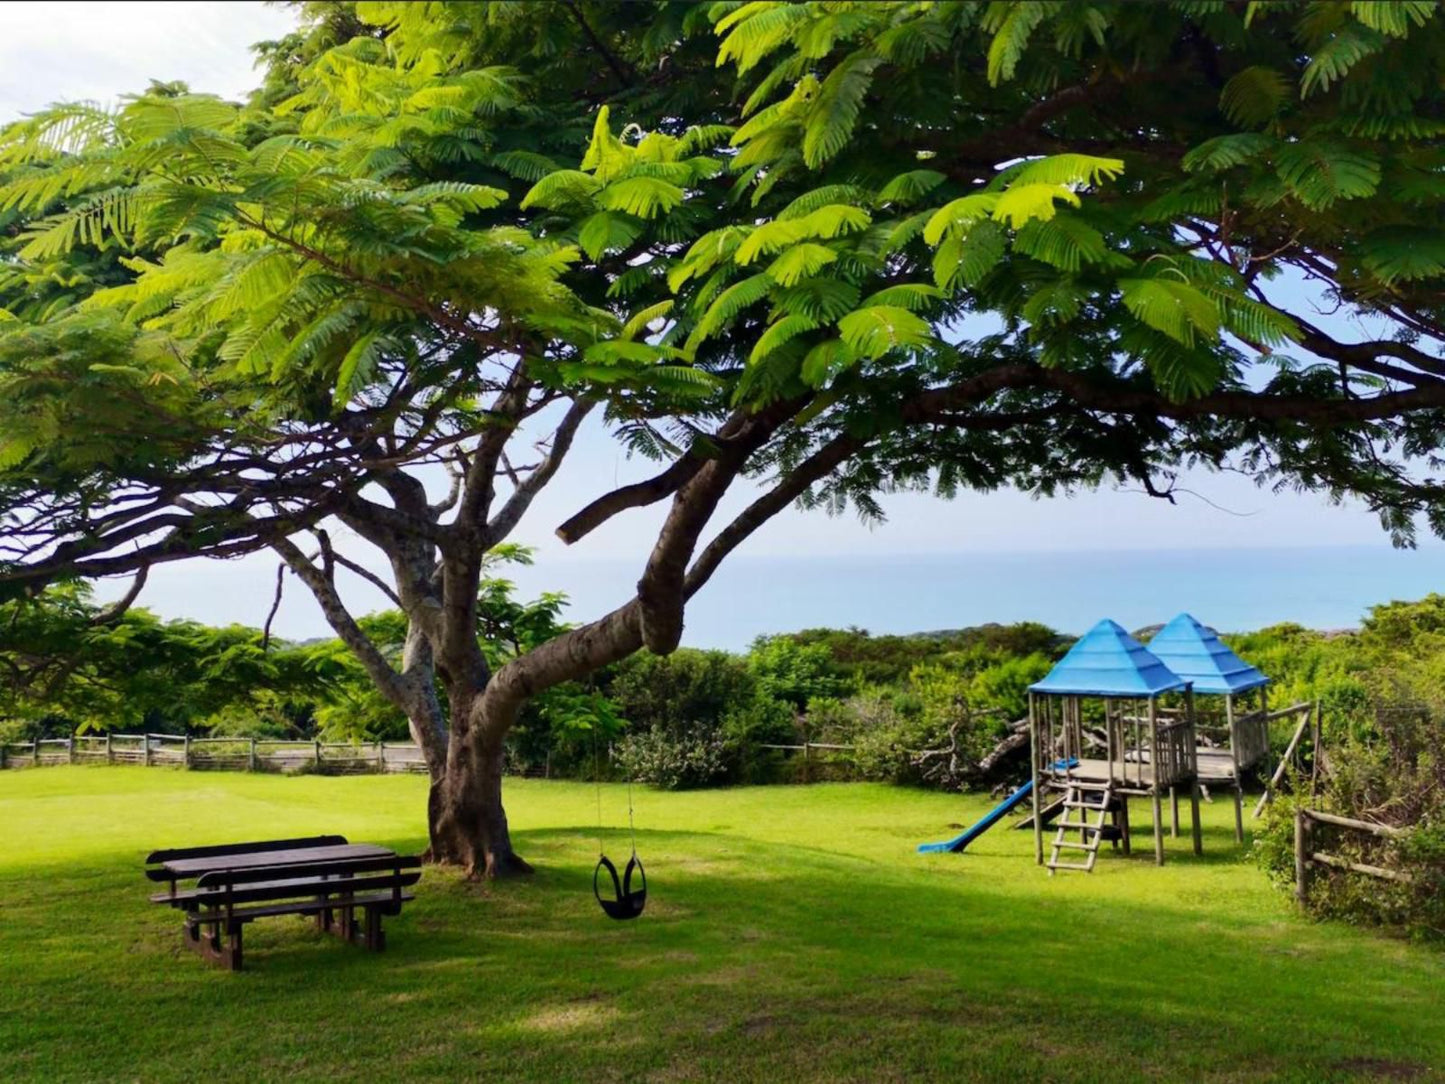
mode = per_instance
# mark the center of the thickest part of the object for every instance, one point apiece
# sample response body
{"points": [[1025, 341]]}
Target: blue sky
{"points": [[56, 51]]}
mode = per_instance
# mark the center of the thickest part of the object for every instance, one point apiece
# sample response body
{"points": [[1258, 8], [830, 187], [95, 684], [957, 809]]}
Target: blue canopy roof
{"points": [[1198, 655], [1107, 661]]}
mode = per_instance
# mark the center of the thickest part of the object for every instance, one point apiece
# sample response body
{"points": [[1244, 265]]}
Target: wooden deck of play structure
{"points": [[1214, 766]]}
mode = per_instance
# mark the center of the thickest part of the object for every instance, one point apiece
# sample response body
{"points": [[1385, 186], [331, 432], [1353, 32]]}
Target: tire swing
{"points": [[625, 901]]}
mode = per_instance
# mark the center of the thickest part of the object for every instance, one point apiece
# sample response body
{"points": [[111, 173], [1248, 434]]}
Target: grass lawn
{"points": [[792, 934]]}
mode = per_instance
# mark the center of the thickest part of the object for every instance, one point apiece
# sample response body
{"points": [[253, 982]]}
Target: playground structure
{"points": [[1104, 696], [1234, 736], [1138, 707]]}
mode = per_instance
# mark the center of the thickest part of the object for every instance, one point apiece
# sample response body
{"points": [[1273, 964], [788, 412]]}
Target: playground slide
{"points": [[996, 814]]}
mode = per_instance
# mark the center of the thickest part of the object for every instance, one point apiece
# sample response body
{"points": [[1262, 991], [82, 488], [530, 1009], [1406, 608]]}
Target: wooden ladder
{"points": [[1080, 800]]}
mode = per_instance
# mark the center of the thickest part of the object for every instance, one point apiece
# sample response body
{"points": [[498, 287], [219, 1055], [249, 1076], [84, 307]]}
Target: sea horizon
{"points": [[1234, 590]]}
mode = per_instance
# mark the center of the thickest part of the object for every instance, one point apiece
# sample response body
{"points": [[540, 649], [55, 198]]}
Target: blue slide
{"points": [[996, 814]]}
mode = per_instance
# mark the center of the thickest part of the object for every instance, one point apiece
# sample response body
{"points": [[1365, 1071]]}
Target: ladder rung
{"points": [[1085, 866], [1076, 846], [1080, 825]]}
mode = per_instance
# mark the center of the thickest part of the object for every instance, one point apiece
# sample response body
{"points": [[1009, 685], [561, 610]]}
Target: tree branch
{"points": [[116, 610], [388, 681], [526, 489]]}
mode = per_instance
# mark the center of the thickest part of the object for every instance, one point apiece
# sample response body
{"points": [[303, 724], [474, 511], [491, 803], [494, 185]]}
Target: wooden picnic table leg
{"points": [[347, 924], [375, 937], [231, 955]]}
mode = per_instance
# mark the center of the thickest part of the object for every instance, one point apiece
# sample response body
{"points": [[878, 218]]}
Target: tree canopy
{"points": [[842, 248]]}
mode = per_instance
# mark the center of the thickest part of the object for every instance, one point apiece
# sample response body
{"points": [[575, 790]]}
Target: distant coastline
{"points": [[1328, 588]]}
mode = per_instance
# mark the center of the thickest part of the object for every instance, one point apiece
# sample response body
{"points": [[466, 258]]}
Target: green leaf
{"points": [[606, 232], [958, 216], [829, 122], [1175, 308], [356, 367], [911, 186], [1011, 35], [1066, 242], [880, 328], [1068, 169], [1394, 17], [729, 303], [778, 333], [1406, 253], [826, 360], [914, 296], [967, 262], [645, 197], [1031, 202], [651, 314], [801, 261], [1320, 172], [566, 187], [822, 299], [1254, 96], [1227, 151], [1333, 58]]}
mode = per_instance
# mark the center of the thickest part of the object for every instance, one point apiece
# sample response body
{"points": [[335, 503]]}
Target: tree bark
{"points": [[467, 822]]}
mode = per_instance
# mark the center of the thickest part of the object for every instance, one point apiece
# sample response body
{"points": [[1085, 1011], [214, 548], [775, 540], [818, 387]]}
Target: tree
{"points": [[68, 664], [235, 327]]}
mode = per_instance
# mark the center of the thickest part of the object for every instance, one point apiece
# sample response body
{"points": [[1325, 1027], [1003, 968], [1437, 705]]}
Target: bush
{"points": [[1391, 772], [671, 761], [696, 718]]}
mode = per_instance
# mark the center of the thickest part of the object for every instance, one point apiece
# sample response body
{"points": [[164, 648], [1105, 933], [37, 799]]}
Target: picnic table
{"points": [[323, 876]]}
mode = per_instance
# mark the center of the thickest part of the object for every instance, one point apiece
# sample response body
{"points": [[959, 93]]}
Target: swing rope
{"points": [[597, 785], [631, 828], [625, 902]]}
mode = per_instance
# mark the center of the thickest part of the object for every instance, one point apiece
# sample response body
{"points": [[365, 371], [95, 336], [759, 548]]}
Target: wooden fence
{"points": [[1306, 858], [228, 754]]}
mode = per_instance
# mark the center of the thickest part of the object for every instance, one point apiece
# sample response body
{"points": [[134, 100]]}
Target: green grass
{"points": [[792, 934]]}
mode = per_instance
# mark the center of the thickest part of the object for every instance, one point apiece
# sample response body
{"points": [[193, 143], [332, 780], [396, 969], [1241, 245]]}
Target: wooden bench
{"points": [[241, 883]]}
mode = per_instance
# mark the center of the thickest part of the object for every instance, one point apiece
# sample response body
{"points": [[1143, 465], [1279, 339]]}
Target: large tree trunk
{"points": [[467, 823]]}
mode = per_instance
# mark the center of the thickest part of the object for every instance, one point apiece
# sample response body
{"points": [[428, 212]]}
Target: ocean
{"points": [[1232, 590]]}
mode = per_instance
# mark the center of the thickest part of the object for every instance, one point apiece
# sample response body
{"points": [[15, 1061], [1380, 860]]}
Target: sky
{"points": [[66, 51]]}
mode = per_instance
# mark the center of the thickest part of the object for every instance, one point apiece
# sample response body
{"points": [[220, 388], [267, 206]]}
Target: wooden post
{"points": [[1301, 857], [35, 754], [1281, 767], [380, 757], [1034, 775], [186, 751], [109, 753], [1173, 809], [807, 773], [145, 745], [70, 749], [2, 756], [318, 754], [1315, 751], [1154, 789], [1194, 813], [1268, 746], [251, 763]]}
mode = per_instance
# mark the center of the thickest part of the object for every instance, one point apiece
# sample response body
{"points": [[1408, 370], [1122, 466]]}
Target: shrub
{"points": [[671, 761], [1391, 772], [696, 718]]}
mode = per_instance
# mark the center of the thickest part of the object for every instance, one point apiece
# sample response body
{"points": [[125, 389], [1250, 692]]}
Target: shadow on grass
{"points": [[754, 960]]}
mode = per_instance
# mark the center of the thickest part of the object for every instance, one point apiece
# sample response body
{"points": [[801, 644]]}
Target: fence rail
{"points": [[1306, 857], [221, 754]]}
